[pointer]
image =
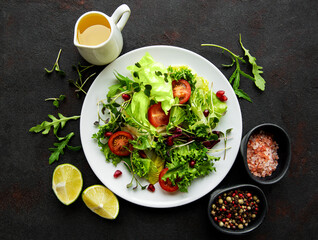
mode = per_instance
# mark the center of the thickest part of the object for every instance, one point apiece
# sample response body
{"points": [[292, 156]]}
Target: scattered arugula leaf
{"points": [[56, 101], [235, 77], [45, 126], [56, 66], [256, 70], [60, 146]]}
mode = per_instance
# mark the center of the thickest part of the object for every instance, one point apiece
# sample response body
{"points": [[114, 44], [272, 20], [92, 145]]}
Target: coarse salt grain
{"points": [[262, 154]]}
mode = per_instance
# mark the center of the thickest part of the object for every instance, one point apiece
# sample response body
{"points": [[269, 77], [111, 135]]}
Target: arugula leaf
{"points": [[257, 70], [235, 77], [45, 126], [56, 152], [56, 66]]}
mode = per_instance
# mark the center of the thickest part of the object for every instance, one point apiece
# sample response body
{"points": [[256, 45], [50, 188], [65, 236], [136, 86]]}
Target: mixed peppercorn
{"points": [[235, 209]]}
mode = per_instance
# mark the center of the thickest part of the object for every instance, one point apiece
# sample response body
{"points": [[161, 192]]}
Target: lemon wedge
{"points": [[101, 201], [67, 183]]}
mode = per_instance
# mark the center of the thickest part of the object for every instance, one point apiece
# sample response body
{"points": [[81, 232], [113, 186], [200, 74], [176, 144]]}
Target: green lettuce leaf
{"points": [[149, 72]]}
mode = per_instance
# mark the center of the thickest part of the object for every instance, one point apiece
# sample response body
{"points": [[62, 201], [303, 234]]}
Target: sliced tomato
{"points": [[119, 143], [182, 90], [157, 116], [167, 185]]}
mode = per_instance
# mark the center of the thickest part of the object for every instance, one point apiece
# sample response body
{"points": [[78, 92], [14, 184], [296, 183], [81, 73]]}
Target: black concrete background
{"points": [[282, 35]]}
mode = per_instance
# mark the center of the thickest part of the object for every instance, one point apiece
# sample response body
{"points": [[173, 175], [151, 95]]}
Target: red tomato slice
{"points": [[182, 90], [119, 142], [166, 185], [157, 116]]}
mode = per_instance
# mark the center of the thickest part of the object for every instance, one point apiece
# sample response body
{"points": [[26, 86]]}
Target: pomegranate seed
{"points": [[170, 141], [125, 96], [117, 173], [108, 134], [206, 112], [192, 163], [223, 98], [151, 187], [220, 93]]}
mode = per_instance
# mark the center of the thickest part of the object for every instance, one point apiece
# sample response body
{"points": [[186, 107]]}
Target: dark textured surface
{"points": [[282, 35]]}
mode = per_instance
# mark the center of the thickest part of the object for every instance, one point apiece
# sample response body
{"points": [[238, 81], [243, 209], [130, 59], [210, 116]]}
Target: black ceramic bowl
{"points": [[255, 223], [284, 152]]}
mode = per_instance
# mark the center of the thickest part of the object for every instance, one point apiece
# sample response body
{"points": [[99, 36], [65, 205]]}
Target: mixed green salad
{"points": [[161, 124]]}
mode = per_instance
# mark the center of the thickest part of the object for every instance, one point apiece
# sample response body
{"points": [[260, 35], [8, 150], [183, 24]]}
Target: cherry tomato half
{"points": [[182, 90], [157, 116], [167, 185], [119, 142]]}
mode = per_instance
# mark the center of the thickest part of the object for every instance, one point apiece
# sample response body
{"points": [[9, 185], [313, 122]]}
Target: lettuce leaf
{"points": [[179, 170], [149, 72]]}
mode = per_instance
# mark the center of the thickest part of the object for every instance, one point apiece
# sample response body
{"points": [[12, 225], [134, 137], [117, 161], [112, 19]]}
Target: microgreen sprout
{"points": [[79, 83], [56, 66], [56, 101]]}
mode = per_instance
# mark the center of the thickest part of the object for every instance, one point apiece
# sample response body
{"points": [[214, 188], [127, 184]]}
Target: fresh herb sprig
{"points": [[80, 82], [60, 146], [236, 75], [56, 66], [45, 126], [56, 101]]}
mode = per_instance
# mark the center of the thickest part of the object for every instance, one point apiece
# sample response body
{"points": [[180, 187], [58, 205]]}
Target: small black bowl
{"points": [[255, 223], [284, 152]]}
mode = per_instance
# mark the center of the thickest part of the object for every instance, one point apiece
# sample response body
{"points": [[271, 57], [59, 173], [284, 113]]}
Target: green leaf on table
{"points": [[45, 126], [256, 70], [60, 146]]}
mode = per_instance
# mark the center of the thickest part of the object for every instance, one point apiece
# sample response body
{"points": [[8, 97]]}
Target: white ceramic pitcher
{"points": [[109, 50]]}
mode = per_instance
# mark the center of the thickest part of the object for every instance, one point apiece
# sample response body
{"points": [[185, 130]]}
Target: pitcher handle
{"points": [[121, 15]]}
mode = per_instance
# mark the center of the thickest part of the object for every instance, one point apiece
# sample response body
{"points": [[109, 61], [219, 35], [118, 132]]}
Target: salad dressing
{"points": [[93, 30]]}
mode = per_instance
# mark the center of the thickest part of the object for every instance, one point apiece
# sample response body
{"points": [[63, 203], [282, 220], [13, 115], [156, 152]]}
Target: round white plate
{"points": [[168, 55]]}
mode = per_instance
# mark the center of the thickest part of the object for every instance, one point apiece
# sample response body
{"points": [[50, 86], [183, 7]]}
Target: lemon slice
{"points": [[101, 201], [67, 183]]}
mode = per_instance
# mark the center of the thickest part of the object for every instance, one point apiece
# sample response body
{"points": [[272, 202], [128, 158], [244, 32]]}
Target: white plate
{"points": [[167, 55]]}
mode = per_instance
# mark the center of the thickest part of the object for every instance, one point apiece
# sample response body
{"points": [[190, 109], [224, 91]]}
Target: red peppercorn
{"points": [[151, 187], [192, 163], [108, 134], [216, 219], [229, 215], [256, 209], [248, 194], [240, 195], [117, 173], [125, 96]]}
